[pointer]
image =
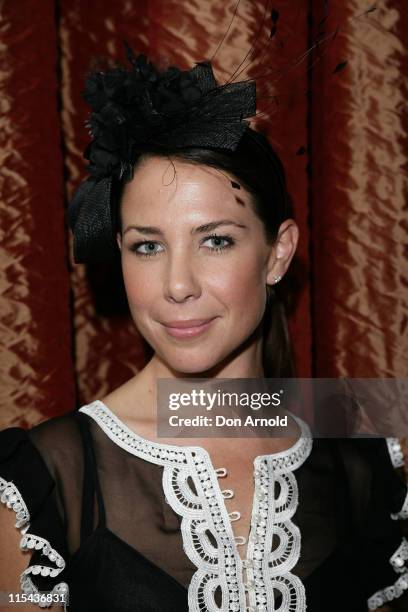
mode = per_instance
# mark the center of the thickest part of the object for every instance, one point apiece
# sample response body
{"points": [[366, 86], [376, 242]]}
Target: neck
{"points": [[141, 390]]}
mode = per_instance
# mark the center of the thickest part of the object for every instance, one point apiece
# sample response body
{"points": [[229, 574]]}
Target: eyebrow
{"points": [[207, 227]]}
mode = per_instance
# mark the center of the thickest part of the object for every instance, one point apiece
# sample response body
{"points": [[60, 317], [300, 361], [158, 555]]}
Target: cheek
{"points": [[241, 288], [140, 290]]}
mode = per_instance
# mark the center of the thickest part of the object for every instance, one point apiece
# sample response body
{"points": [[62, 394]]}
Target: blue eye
{"points": [[220, 243], [145, 249], [150, 248]]}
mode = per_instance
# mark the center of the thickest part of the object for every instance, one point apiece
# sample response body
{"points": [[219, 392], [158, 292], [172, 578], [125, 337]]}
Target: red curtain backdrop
{"points": [[62, 341], [359, 192], [36, 363]]}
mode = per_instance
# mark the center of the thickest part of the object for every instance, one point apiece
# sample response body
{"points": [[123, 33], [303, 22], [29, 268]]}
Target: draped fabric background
{"points": [[63, 340]]}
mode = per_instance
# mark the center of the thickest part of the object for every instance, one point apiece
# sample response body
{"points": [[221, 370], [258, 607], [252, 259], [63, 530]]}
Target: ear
{"points": [[119, 240], [282, 251]]}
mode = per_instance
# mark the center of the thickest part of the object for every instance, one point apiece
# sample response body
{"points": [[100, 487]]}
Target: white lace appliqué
{"points": [[12, 498], [402, 514], [400, 556], [397, 460], [397, 560], [208, 537], [395, 452], [380, 598]]}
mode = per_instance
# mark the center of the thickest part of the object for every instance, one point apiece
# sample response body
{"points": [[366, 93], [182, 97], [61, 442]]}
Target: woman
{"points": [[123, 520]]}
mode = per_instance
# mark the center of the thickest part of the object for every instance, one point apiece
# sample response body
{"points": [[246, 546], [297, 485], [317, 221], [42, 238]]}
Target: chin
{"points": [[189, 364]]}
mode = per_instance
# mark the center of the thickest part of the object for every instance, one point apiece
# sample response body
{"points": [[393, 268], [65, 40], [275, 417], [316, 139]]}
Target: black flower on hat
{"points": [[141, 108]]}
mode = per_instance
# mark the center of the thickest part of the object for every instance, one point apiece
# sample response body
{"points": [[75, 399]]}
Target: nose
{"points": [[181, 282]]}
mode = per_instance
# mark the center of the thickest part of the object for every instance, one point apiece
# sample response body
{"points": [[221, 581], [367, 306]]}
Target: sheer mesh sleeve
{"points": [[385, 552], [59, 443], [27, 487]]}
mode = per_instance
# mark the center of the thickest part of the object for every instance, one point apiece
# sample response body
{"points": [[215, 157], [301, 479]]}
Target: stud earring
{"points": [[276, 279]]}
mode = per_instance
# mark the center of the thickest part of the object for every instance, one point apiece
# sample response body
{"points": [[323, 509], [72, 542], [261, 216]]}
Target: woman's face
{"points": [[195, 262]]}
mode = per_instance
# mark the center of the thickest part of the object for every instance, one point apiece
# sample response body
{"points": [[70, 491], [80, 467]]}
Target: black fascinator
{"points": [[138, 110]]}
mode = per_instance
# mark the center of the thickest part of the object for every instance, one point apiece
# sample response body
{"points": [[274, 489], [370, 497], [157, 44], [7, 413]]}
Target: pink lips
{"points": [[187, 329]]}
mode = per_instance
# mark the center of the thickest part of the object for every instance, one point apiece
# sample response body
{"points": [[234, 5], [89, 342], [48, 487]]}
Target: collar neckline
{"points": [[117, 430]]}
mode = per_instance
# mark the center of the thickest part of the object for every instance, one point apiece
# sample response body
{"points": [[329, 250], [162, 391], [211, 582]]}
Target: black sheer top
{"points": [[123, 524]]}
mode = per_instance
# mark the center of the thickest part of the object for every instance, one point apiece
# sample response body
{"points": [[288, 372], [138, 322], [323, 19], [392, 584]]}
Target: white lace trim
{"points": [[388, 594], [12, 498], [400, 556], [29, 588], [397, 560], [395, 452], [403, 513], [397, 460], [274, 540]]}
